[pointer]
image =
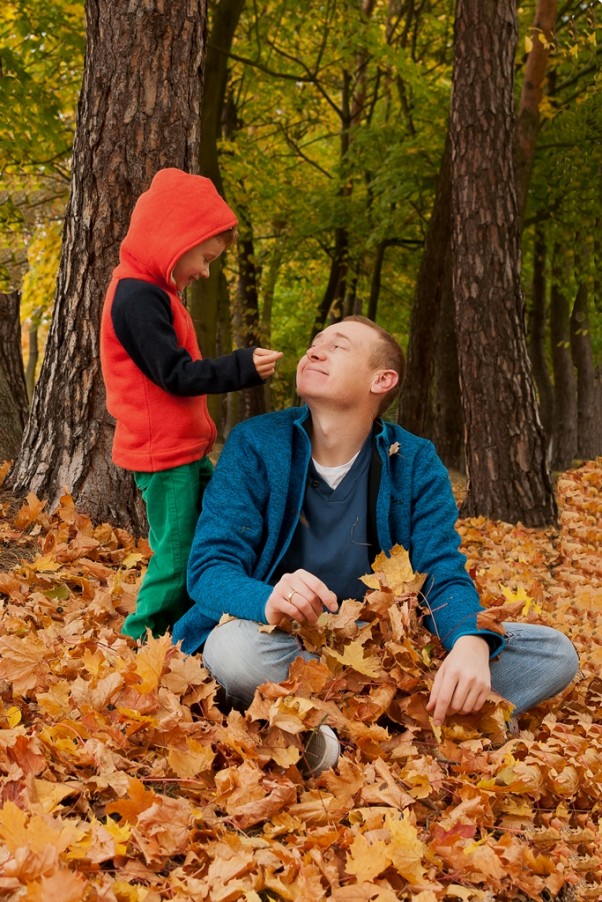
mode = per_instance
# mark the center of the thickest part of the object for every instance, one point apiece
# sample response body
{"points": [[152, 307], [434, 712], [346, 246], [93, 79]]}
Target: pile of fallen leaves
{"points": [[122, 779]]}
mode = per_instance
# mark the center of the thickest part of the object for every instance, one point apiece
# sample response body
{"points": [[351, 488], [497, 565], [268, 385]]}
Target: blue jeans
{"points": [[537, 662]]}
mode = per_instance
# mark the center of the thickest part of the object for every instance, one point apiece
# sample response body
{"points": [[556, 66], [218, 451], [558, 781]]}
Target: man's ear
{"points": [[384, 381]]}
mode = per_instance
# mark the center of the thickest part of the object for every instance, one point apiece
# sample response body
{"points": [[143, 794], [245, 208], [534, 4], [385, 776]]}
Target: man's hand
{"points": [[463, 681], [299, 596], [265, 361]]}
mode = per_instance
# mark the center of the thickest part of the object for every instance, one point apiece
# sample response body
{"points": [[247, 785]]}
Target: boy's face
{"points": [[194, 264]]}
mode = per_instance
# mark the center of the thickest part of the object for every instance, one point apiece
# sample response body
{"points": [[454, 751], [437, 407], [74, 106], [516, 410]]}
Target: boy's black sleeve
{"points": [[143, 323]]}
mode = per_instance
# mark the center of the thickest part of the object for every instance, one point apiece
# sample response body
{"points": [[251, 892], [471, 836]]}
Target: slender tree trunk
{"points": [[33, 354], [209, 296], [537, 333], [528, 121], [589, 408], [415, 401], [13, 391], [138, 112], [252, 401], [565, 384], [375, 281], [507, 475], [447, 429]]}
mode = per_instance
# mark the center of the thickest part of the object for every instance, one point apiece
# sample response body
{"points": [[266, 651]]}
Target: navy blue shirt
{"points": [[331, 537]]}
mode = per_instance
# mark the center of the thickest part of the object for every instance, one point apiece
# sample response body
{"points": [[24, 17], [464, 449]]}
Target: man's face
{"points": [[337, 365], [194, 264]]}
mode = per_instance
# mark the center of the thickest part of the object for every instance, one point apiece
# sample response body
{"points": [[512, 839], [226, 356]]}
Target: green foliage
{"points": [[335, 122], [41, 54], [41, 61]]}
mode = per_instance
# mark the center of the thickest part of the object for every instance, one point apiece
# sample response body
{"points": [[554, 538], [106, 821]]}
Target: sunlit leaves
{"points": [[121, 777]]}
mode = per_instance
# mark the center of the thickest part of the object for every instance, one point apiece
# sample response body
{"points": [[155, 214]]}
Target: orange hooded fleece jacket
{"points": [[155, 378]]}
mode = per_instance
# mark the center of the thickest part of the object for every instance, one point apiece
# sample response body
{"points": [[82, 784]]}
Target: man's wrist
{"points": [[473, 642]]}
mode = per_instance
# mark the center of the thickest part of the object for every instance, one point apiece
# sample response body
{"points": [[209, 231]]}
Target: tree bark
{"points": [[565, 384], [528, 121], [537, 333], [138, 112], [435, 268], [208, 297], [252, 400], [13, 392], [447, 428], [589, 407], [507, 474]]}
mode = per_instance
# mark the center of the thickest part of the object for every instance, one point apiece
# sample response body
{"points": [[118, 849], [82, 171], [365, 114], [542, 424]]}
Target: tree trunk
{"points": [[507, 475], [252, 400], [13, 392], [33, 353], [415, 401], [138, 112], [527, 130], [589, 408], [537, 334], [447, 429], [209, 296], [565, 384]]}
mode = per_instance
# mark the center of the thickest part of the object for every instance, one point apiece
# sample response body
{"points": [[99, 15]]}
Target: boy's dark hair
{"points": [[387, 354]]}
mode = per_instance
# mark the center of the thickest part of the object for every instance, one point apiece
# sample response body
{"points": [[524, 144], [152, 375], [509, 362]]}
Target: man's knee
{"points": [[240, 656]]}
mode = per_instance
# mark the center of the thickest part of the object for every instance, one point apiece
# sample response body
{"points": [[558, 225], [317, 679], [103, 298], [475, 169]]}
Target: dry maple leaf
{"points": [[394, 571]]}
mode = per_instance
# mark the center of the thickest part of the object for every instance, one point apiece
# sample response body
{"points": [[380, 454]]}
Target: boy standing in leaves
{"points": [[303, 500], [156, 381]]}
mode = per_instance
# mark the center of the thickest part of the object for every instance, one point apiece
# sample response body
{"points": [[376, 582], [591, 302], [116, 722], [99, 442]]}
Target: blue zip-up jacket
{"points": [[252, 504]]}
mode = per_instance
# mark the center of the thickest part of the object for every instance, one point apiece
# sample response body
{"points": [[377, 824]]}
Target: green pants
{"points": [[173, 503]]}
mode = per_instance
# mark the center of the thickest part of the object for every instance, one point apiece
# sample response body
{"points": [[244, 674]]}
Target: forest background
{"points": [[437, 166], [465, 221]]}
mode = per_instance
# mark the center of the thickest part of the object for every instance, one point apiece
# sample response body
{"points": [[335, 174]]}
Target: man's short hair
{"points": [[386, 354]]}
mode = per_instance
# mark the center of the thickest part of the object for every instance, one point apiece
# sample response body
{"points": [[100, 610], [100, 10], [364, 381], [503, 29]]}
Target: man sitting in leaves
{"points": [[301, 503]]}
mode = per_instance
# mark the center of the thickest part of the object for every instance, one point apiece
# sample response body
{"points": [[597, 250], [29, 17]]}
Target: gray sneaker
{"points": [[321, 751]]}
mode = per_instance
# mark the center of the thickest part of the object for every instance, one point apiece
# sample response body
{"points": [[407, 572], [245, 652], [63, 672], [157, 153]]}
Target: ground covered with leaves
{"points": [[123, 780]]}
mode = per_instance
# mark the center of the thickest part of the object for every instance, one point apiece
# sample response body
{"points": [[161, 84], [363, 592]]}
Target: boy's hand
{"points": [[265, 361]]}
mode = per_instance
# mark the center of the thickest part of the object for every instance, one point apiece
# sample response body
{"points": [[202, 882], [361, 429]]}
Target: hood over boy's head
{"points": [[176, 213]]}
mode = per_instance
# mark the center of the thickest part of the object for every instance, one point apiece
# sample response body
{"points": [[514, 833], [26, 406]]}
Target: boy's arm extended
{"points": [[144, 327]]}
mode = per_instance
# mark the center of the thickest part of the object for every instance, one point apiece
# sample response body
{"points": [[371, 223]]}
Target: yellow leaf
{"points": [[192, 761], [353, 656], [528, 44], [367, 859], [45, 563], [407, 850], [39, 833], [395, 573], [150, 662], [30, 511], [121, 834], [13, 715], [132, 558]]}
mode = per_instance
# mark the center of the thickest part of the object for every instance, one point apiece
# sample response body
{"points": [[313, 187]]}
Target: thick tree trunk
{"points": [[537, 334], [507, 475], [13, 393], [415, 401], [565, 383], [138, 112]]}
